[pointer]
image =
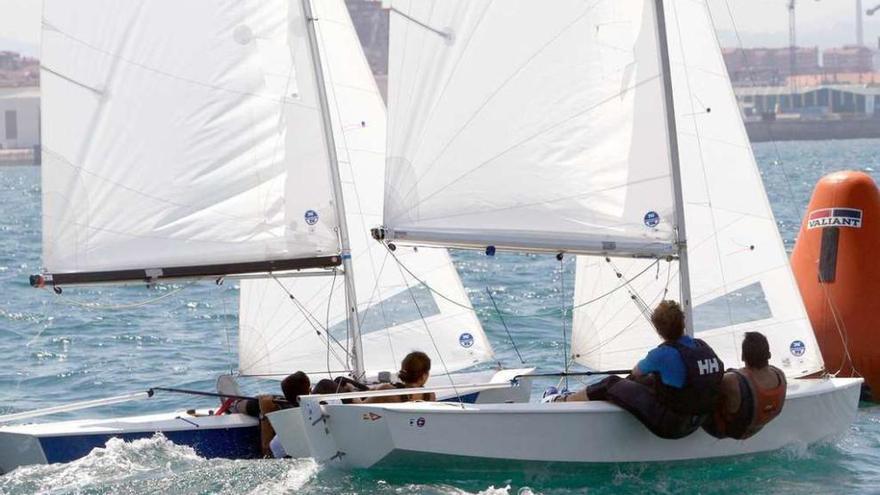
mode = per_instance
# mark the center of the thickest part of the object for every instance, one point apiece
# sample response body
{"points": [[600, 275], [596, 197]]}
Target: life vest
{"points": [[764, 406], [702, 386]]}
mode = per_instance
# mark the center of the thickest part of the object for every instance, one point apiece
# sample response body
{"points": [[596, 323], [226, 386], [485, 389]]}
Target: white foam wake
{"points": [[156, 465]]}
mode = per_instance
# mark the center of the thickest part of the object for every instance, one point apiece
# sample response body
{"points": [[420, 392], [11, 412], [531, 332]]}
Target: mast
{"points": [[672, 136], [350, 296]]}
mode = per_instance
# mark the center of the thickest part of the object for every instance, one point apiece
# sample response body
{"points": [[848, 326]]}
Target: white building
{"points": [[19, 117]]}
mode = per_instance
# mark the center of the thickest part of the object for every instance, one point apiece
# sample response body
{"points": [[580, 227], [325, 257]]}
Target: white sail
{"points": [[279, 336], [528, 126], [179, 134], [739, 271]]}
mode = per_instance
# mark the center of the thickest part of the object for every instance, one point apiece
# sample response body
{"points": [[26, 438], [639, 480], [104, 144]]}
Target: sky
{"points": [[822, 23]]}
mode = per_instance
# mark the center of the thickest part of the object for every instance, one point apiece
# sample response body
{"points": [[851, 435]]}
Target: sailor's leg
{"points": [[267, 405]]}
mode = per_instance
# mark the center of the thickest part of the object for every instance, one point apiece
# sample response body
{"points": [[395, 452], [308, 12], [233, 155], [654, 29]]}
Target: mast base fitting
{"points": [[378, 233]]}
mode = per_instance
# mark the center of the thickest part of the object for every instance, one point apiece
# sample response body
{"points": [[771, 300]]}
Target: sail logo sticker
{"points": [[466, 340], [797, 348], [835, 217], [652, 219], [420, 422], [311, 217]]}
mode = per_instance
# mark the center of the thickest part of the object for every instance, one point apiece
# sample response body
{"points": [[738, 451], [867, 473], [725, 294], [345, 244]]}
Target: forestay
{"points": [[278, 335], [739, 270], [528, 126], [179, 134]]}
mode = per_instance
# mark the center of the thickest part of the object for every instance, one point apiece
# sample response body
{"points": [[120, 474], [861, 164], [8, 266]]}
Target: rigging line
{"points": [[495, 92], [385, 322], [614, 337], [503, 323], [640, 303], [841, 331], [442, 34], [88, 305], [769, 127], [431, 336], [526, 139], [513, 315], [259, 375], [327, 319], [357, 197], [687, 79], [226, 329], [563, 315], [312, 321]]}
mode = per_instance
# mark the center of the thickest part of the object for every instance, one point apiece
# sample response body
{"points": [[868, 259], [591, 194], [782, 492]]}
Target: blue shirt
{"points": [[666, 362]]}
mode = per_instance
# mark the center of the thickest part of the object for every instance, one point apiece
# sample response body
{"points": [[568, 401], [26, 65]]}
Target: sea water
{"points": [[97, 342]]}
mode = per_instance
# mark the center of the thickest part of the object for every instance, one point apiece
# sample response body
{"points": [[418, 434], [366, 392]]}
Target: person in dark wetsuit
{"points": [[751, 396], [674, 389]]}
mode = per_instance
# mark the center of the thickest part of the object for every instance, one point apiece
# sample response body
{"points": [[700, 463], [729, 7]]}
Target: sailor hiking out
{"points": [[674, 389], [751, 396]]}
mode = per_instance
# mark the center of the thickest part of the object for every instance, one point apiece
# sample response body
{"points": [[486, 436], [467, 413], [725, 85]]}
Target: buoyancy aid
{"points": [[756, 409], [702, 386]]}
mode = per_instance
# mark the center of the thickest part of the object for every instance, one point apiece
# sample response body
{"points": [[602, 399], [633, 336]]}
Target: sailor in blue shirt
{"points": [[674, 389], [666, 362]]}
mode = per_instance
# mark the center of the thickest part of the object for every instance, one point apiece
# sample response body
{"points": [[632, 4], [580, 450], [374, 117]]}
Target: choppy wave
{"points": [[55, 349], [156, 465]]}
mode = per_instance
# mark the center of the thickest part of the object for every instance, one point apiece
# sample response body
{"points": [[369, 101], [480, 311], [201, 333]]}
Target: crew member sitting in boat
{"points": [[414, 372], [674, 389], [292, 387], [750, 396]]}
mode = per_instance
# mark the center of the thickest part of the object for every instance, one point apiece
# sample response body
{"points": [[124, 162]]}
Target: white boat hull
{"points": [[363, 436], [288, 423]]}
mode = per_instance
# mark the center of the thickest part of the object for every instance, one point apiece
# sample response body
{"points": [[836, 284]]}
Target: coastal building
{"points": [[19, 117], [768, 66], [827, 101], [849, 58]]}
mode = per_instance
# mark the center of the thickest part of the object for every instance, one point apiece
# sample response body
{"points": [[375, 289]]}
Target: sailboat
{"points": [[607, 130], [202, 141]]}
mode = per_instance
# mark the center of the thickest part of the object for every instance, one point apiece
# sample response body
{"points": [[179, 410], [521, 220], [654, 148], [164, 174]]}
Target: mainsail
{"points": [[181, 138], [397, 313], [561, 144], [530, 135], [740, 275]]}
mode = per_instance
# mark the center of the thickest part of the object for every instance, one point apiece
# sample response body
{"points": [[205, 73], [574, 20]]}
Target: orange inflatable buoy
{"points": [[835, 262]]}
